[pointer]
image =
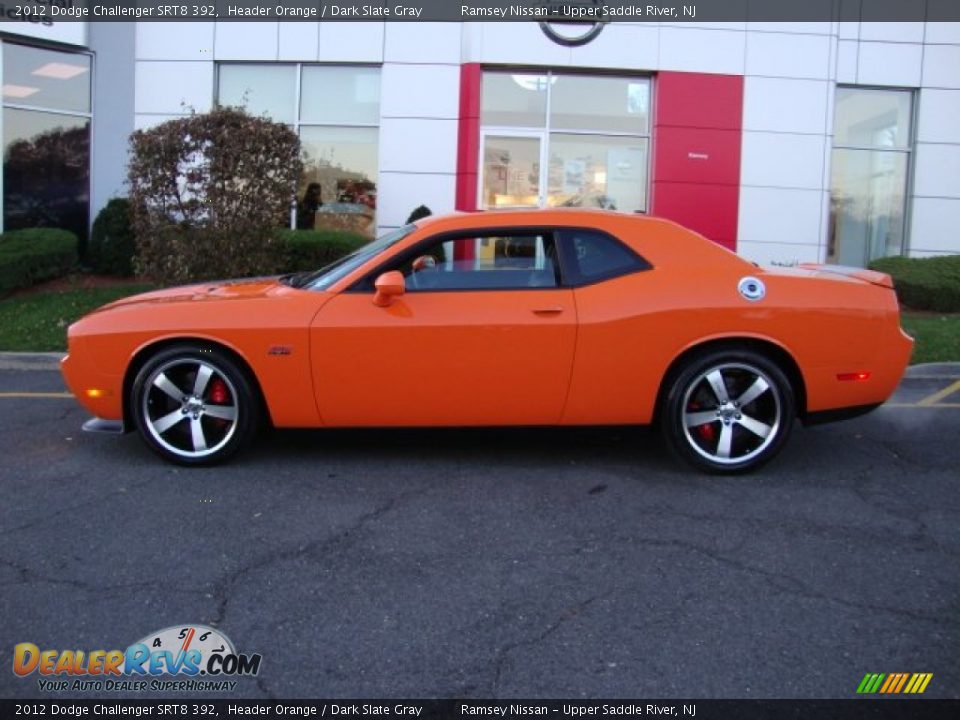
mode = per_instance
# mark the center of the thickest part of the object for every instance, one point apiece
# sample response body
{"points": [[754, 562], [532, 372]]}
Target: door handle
{"points": [[552, 310]]}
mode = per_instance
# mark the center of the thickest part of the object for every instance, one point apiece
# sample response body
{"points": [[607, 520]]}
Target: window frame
{"points": [[543, 133], [569, 279], [907, 150], [88, 115], [297, 123]]}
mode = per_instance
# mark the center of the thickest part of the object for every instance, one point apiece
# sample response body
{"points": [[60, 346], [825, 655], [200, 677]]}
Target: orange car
{"points": [[545, 317]]}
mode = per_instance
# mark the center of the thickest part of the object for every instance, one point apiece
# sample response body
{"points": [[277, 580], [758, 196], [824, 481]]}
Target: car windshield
{"points": [[327, 276]]}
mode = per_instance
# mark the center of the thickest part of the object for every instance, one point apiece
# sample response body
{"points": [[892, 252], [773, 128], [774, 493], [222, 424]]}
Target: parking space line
{"points": [[936, 397], [36, 395], [921, 407]]}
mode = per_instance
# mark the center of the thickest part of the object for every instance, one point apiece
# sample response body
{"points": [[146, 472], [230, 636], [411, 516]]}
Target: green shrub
{"points": [[207, 192], [111, 247], [312, 249], [924, 283], [34, 255]]}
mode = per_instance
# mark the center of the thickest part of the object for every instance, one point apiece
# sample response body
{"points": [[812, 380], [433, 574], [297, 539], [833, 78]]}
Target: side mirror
{"points": [[389, 286]]}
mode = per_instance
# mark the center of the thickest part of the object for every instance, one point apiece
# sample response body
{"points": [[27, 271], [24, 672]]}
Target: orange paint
{"points": [[592, 354]]}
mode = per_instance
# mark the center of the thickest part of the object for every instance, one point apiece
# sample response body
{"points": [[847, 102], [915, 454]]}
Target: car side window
{"points": [[483, 262], [595, 255]]}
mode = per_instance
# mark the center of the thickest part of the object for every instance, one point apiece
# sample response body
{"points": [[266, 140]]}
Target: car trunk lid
{"points": [[869, 276]]}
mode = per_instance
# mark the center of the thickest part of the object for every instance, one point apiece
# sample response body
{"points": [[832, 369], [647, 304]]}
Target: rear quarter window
{"points": [[593, 255]]}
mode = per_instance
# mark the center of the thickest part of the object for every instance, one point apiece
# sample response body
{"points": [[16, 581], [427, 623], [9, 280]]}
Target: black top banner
{"points": [[914, 709], [554, 11]]}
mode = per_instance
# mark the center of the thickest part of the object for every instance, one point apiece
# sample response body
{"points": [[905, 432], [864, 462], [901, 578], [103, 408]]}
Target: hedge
{"points": [[312, 249], [924, 283], [34, 255], [111, 247]]}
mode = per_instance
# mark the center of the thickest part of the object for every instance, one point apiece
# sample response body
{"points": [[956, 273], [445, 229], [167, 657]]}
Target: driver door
{"points": [[483, 335]]}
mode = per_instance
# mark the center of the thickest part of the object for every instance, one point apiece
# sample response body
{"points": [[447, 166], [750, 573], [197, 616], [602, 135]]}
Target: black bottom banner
{"points": [[913, 709]]}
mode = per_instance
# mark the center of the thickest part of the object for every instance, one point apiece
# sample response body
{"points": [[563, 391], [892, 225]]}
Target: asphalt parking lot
{"points": [[525, 563]]}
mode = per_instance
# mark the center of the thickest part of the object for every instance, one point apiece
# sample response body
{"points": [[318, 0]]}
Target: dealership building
{"points": [[786, 142]]}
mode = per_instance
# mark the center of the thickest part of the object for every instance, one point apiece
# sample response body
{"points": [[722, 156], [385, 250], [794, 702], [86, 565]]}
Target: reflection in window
{"points": [[46, 79], [46, 139], [565, 140], [511, 172], [615, 104], [260, 89], [344, 95], [340, 165], [598, 171], [514, 99], [337, 117], [870, 163]]}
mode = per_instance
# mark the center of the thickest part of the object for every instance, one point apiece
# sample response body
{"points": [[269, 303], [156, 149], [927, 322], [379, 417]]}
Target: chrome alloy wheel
{"points": [[731, 413], [190, 407]]}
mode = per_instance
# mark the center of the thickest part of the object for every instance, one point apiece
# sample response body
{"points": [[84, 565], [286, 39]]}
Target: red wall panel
{"points": [[696, 152], [702, 207], [699, 100], [468, 137], [696, 155]]}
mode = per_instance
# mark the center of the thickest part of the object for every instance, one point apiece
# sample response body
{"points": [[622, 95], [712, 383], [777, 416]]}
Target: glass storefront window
{"points": [[870, 166], [342, 163], [46, 171], [872, 118], [340, 95], [46, 79], [511, 172], [46, 139], [262, 89], [615, 104], [515, 99], [567, 140], [337, 118], [597, 171]]}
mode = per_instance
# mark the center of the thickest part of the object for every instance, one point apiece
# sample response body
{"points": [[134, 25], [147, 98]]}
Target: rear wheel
{"points": [[728, 411], [194, 405]]}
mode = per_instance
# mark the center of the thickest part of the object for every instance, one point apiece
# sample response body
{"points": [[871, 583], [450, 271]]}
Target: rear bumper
{"points": [[828, 392]]}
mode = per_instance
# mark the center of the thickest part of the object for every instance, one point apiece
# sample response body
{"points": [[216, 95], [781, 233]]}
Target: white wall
{"points": [[791, 71], [419, 110]]}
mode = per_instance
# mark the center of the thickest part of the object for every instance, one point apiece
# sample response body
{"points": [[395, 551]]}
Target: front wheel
{"points": [[728, 411], [194, 405]]}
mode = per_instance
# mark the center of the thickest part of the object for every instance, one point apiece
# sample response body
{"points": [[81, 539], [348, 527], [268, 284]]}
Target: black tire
{"points": [[741, 431], [191, 423]]}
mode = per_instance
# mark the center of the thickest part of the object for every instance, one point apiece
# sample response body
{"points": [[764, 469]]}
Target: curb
{"points": [[934, 371], [30, 360]]}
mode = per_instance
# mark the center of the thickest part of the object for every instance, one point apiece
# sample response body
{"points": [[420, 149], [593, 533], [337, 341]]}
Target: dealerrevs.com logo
{"points": [[199, 657]]}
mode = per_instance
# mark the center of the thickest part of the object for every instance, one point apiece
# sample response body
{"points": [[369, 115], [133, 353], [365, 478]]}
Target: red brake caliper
{"points": [[218, 392], [707, 432], [219, 395]]}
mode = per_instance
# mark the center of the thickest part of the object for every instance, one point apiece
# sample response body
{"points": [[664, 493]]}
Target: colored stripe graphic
{"points": [[894, 683], [903, 680]]}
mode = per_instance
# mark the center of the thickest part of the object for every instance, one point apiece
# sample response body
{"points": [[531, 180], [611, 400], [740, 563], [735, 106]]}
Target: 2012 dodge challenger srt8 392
{"points": [[542, 317]]}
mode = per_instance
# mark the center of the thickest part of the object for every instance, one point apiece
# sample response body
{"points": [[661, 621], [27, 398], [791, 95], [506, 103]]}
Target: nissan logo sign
{"points": [[572, 26]]}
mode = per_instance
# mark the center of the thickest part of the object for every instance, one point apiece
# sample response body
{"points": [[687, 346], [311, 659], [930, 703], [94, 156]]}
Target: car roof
{"points": [[587, 217]]}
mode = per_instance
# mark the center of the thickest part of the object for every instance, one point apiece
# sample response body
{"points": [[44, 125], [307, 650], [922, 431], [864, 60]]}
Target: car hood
{"points": [[219, 291]]}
